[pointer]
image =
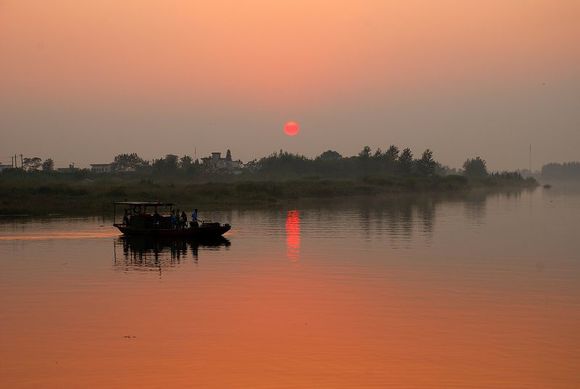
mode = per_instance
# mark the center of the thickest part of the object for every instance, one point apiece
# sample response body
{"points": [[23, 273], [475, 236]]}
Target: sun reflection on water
{"points": [[293, 235]]}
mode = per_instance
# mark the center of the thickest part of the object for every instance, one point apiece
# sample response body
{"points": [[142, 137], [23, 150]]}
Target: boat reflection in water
{"points": [[146, 253]]}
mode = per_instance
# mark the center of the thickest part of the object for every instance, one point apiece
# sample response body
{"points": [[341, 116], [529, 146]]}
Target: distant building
{"points": [[5, 167], [216, 163], [125, 169], [101, 167], [70, 169]]}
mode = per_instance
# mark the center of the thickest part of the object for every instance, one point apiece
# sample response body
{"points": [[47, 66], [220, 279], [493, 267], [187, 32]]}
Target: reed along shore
{"points": [[50, 194]]}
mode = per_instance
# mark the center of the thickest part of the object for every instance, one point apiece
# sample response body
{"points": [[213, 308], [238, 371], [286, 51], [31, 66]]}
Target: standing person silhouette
{"points": [[173, 220], [183, 221], [194, 222], [126, 219]]}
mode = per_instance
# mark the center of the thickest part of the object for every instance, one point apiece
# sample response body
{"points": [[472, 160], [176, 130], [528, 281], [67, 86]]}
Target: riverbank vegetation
{"points": [[276, 178], [569, 171]]}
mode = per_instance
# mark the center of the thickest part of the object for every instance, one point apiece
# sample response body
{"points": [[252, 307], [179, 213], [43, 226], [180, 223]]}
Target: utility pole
{"points": [[21, 162], [530, 159]]}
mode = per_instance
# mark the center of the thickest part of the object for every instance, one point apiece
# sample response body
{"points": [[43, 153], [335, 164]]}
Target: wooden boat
{"points": [[140, 244], [154, 219]]}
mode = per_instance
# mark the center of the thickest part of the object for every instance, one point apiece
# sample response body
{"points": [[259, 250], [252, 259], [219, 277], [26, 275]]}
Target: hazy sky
{"points": [[81, 81]]}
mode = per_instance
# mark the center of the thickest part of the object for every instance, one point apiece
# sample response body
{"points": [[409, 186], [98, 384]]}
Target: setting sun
{"points": [[291, 128]]}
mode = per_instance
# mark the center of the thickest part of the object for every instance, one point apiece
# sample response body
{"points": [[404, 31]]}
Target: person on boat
{"points": [[173, 220], [194, 222], [183, 219], [156, 219], [126, 218]]}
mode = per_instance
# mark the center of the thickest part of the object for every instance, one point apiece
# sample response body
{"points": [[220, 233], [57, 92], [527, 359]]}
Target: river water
{"points": [[477, 291]]}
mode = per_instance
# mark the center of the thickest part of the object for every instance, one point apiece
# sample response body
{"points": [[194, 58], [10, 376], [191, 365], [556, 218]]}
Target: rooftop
{"points": [[143, 203]]}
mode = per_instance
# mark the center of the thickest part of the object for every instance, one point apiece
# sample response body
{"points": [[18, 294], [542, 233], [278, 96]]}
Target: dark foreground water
{"points": [[482, 291]]}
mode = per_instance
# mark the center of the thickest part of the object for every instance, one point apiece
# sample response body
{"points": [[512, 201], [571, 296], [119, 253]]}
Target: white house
{"points": [[101, 167], [216, 162]]}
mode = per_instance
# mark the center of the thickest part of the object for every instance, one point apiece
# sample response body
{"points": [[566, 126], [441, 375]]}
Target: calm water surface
{"points": [[482, 291]]}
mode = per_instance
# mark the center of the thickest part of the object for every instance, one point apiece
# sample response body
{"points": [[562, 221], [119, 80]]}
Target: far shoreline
{"points": [[95, 198]]}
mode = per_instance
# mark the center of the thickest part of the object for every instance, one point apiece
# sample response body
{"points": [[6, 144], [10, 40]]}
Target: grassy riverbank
{"points": [[45, 195]]}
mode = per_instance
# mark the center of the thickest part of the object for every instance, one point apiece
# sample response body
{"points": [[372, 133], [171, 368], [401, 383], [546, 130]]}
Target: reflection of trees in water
{"points": [[398, 217], [143, 253], [402, 217], [475, 203], [474, 206], [398, 220], [364, 218], [426, 215]]}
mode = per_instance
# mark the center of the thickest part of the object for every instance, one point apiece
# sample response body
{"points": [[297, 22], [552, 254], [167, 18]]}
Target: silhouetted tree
{"points": [[475, 168], [392, 153], [390, 158], [364, 161], [31, 164], [168, 164], [185, 162], [252, 166], [171, 161], [405, 162], [442, 170], [365, 152], [284, 165], [48, 165], [329, 155], [124, 162], [426, 165]]}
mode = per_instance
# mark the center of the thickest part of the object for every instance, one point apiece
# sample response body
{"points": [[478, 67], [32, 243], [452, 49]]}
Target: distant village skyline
{"points": [[215, 161], [196, 154]]}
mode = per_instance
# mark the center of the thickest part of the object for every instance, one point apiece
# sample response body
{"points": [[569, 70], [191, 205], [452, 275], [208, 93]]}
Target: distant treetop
{"points": [[330, 155], [475, 168]]}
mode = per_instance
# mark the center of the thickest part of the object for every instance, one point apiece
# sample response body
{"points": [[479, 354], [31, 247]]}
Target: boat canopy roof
{"points": [[144, 203]]}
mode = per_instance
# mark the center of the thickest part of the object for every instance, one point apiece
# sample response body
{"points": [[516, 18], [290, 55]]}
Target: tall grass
{"points": [[42, 194]]}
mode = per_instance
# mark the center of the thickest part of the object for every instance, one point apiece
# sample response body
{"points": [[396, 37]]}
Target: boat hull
{"points": [[202, 232]]}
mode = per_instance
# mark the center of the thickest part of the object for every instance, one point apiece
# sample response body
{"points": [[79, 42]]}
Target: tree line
{"points": [[392, 162], [281, 165], [31, 164], [562, 171]]}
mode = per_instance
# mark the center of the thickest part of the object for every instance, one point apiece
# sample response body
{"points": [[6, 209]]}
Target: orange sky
{"points": [[492, 76]]}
